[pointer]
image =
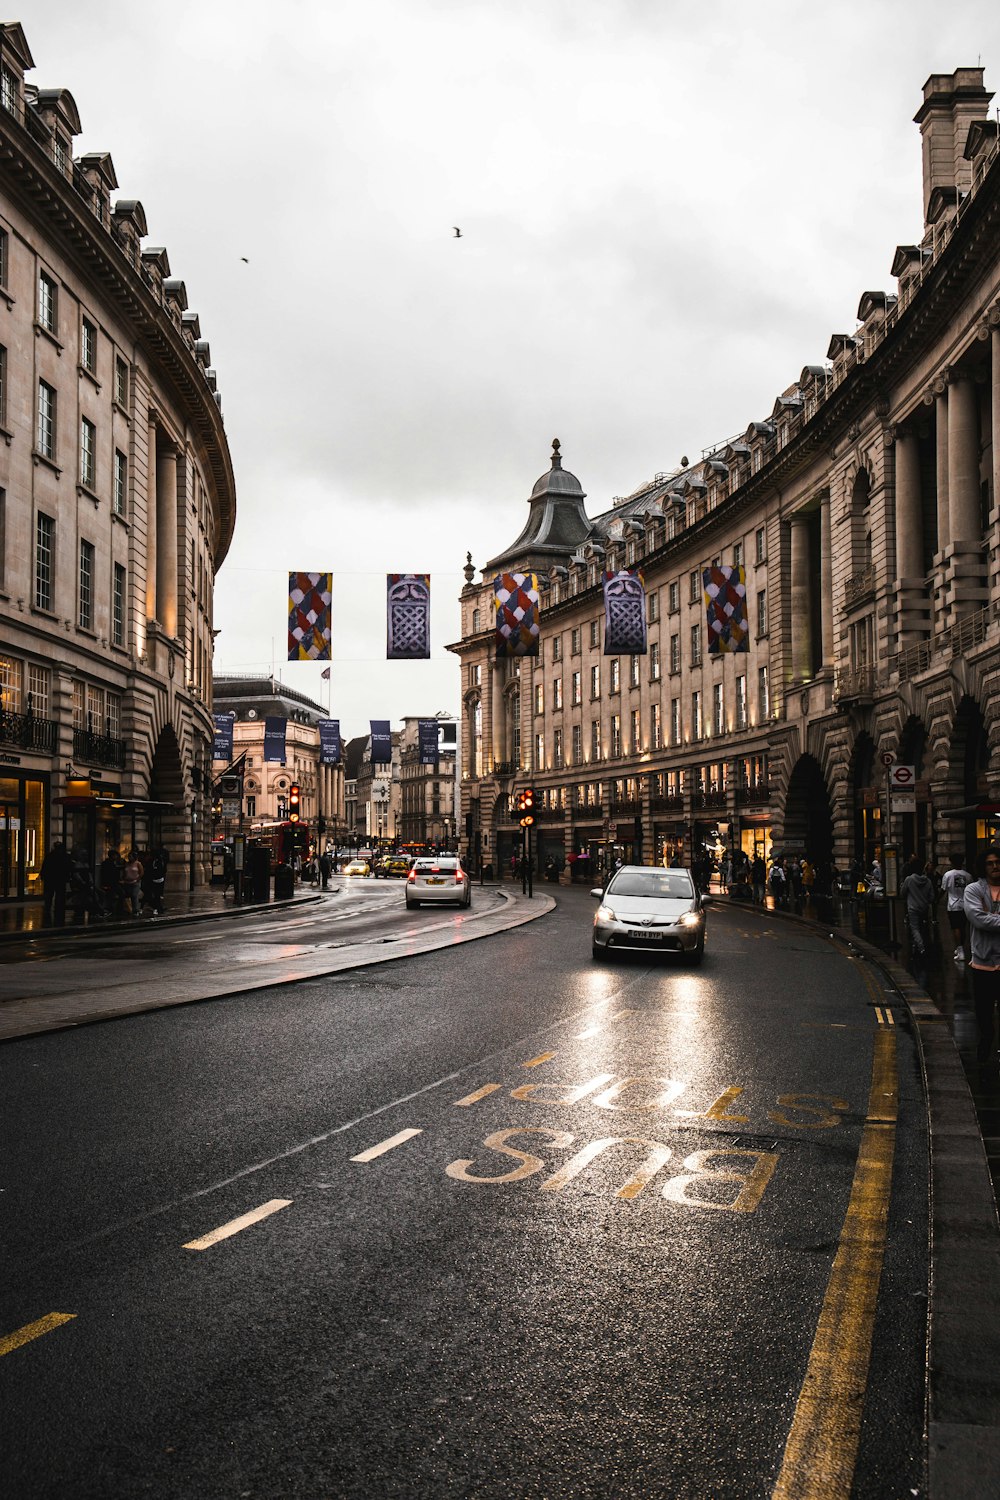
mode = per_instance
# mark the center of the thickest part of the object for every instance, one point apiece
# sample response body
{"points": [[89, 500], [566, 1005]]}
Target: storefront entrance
{"points": [[23, 835]]}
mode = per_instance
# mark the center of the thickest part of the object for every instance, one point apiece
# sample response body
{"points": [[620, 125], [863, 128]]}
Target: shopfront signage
{"points": [[10, 760]]}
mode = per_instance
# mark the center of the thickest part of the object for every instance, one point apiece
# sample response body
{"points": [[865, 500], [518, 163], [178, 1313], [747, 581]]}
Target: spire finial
{"points": [[556, 455]]}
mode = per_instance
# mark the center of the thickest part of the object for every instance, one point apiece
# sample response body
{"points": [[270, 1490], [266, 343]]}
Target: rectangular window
{"points": [[741, 702], [47, 306], [574, 641], [694, 581], [738, 555], [88, 453], [577, 744], [4, 256], [635, 733], [88, 346], [85, 614], [557, 693], [121, 483], [39, 688], [760, 549], [696, 645], [121, 382], [95, 709], [8, 90], [763, 698], [46, 439], [45, 528], [616, 735], [3, 385], [557, 648], [79, 704], [595, 632], [557, 749], [539, 752], [762, 612], [539, 698], [615, 674], [633, 671], [595, 740], [718, 710], [674, 597], [655, 728], [3, 536], [11, 684], [595, 682], [653, 607], [675, 721], [475, 676], [118, 607], [696, 715], [576, 690], [654, 660], [113, 716], [675, 653]]}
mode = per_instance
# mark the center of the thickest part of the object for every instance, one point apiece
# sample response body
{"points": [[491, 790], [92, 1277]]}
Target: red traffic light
{"points": [[294, 802]]}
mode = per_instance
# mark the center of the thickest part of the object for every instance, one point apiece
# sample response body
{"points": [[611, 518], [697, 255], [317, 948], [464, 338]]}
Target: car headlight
{"points": [[604, 914], [691, 919]]}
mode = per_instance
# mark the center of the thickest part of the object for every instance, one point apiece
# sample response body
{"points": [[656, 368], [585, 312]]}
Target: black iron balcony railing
{"points": [[855, 684], [98, 749], [28, 731], [757, 795], [674, 803], [710, 799]]}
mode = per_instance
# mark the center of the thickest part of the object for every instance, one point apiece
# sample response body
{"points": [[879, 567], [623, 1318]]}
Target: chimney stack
{"points": [[951, 102]]}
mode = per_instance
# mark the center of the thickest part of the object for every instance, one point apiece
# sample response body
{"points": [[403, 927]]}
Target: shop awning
{"points": [[974, 810], [119, 804]]}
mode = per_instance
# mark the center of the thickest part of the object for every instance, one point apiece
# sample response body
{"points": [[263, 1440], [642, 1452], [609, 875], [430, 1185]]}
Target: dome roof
{"points": [[557, 480]]}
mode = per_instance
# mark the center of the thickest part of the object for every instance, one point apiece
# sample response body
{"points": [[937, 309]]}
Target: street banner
{"points": [[624, 612], [309, 616], [329, 742], [516, 604], [408, 616], [726, 606], [222, 745], [274, 739], [428, 736], [381, 742]]}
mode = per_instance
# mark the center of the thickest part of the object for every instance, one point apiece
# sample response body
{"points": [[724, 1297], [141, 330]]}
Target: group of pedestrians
{"points": [[126, 884]]}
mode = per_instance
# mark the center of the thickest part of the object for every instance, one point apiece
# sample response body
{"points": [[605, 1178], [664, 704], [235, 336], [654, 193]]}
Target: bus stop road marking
{"points": [[21, 1336], [384, 1146], [225, 1231]]}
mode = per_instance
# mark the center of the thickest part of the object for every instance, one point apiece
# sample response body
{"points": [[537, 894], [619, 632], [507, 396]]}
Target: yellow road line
{"points": [[11, 1341], [487, 1088], [235, 1225], [536, 1062], [822, 1447], [384, 1146]]}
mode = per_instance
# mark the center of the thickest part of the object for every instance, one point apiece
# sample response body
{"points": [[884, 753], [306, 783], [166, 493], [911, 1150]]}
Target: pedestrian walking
{"points": [[778, 884], [55, 872], [132, 874], [758, 872], [917, 891], [325, 869], [982, 909], [953, 883], [155, 880]]}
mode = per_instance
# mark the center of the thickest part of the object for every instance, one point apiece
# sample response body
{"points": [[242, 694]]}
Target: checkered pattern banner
{"points": [[515, 597], [309, 626], [408, 616], [726, 605], [624, 612]]}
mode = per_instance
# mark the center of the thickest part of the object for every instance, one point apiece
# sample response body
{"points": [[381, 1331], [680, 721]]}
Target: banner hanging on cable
{"points": [[222, 745], [624, 612], [428, 739], [408, 616], [726, 606], [516, 602], [274, 739], [381, 742], [329, 742], [309, 616]]}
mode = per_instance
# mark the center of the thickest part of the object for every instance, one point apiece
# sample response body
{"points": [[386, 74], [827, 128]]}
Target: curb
{"points": [[101, 929]]}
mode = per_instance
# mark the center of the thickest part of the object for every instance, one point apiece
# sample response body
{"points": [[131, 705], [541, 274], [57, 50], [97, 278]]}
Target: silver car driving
{"points": [[438, 878], [648, 909]]}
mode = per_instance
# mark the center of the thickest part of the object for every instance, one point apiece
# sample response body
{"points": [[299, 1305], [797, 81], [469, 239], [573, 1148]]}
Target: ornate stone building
{"points": [[864, 508], [117, 507]]}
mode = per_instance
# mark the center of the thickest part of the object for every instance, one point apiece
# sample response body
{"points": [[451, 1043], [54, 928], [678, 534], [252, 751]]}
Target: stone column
{"points": [[166, 539], [909, 515], [941, 423], [151, 524], [826, 580], [801, 597], [963, 464], [995, 409]]}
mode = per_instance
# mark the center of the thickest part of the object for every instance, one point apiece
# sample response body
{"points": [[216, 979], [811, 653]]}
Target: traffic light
{"points": [[526, 806], [294, 802]]}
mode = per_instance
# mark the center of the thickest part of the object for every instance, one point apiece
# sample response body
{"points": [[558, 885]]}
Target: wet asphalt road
{"points": [[495, 1304]]}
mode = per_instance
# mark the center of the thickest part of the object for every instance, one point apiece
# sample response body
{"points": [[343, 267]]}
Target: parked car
{"points": [[645, 908], [357, 867], [438, 878]]}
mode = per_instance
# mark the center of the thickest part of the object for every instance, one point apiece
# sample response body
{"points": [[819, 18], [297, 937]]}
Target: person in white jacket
{"points": [[982, 909]]}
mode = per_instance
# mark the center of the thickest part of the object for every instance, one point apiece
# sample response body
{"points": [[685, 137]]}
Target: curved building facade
{"points": [[863, 506], [117, 507]]}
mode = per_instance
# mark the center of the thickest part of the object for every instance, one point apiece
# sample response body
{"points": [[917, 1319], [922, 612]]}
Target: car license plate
{"points": [[435, 880], [648, 937]]}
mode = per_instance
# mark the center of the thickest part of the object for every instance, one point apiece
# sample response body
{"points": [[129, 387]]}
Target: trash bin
{"points": [[284, 883], [257, 876]]}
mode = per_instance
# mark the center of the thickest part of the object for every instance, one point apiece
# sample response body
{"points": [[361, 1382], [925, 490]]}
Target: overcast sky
{"points": [[666, 211]]}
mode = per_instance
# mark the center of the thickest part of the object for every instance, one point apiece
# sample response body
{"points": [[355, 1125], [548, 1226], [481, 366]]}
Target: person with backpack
{"points": [[953, 883]]}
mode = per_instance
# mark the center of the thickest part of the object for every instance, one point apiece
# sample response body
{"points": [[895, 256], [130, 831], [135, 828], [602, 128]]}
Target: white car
{"points": [[438, 879], [648, 909]]}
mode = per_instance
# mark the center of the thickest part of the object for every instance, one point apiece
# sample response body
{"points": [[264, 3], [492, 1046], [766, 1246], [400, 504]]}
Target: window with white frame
{"points": [[655, 727], [741, 701], [557, 749], [694, 583], [39, 690], [718, 710], [675, 721], [113, 715], [9, 91], [654, 661], [595, 632], [46, 436], [557, 648], [760, 546], [88, 453], [118, 606], [4, 257], [121, 382], [539, 698], [635, 733], [85, 613], [616, 735], [574, 641], [557, 702], [475, 675], [696, 725], [577, 744], [738, 555], [47, 302], [595, 739], [762, 612], [695, 645], [576, 690], [675, 653], [11, 683], [595, 682], [539, 752], [88, 346], [120, 483], [3, 386], [615, 675], [673, 597], [79, 703], [45, 531], [653, 606], [763, 696], [95, 708], [633, 671]]}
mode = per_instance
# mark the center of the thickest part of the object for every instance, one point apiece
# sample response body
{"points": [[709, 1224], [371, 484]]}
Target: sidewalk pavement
{"points": [[20, 919]]}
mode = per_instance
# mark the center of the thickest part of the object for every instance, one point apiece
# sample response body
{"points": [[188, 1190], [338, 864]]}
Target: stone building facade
{"points": [[117, 507], [251, 700], [427, 792], [864, 509]]}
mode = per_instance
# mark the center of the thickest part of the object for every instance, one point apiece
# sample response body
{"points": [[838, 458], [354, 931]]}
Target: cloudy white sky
{"points": [[666, 211]]}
